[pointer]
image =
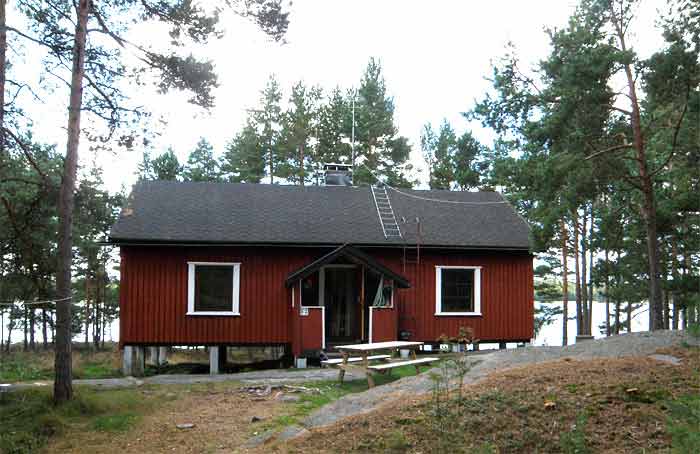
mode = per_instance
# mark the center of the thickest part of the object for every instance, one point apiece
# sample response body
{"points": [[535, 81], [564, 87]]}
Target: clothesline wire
{"points": [[34, 303], [429, 199]]}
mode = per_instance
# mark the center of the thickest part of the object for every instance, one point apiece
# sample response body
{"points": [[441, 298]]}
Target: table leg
{"points": [[365, 361], [413, 356], [341, 373]]}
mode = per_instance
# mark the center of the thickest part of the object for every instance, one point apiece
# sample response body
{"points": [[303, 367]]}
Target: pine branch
{"points": [[609, 149], [675, 137], [28, 154]]}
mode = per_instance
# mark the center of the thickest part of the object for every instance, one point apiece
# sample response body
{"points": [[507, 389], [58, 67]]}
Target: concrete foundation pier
{"points": [[217, 359], [133, 361], [158, 356], [162, 356]]}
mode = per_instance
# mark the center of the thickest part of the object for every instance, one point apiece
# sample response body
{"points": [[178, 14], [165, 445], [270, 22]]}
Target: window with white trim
{"points": [[457, 290], [213, 288]]}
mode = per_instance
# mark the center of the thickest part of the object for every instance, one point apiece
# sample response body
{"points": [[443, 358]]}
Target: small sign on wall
{"points": [[304, 311]]}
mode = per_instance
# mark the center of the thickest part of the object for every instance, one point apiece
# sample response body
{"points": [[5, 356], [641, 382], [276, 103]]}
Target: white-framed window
{"points": [[457, 290], [213, 288]]}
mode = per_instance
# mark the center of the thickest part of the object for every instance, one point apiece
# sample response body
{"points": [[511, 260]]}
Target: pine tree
{"points": [[379, 151], [165, 166], [201, 165], [268, 120], [427, 146], [334, 119], [243, 160], [96, 75], [299, 125]]}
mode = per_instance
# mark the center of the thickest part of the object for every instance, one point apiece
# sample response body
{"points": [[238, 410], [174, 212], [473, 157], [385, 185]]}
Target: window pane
{"points": [[309, 290], [457, 290], [213, 288]]}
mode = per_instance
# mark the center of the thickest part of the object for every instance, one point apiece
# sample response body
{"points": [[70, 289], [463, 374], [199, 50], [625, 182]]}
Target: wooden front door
{"points": [[341, 302]]}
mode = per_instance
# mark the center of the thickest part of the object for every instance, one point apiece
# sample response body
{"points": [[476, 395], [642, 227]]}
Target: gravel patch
{"points": [[263, 377], [634, 344]]}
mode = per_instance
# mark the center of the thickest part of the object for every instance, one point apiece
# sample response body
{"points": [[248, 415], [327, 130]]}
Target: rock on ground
{"points": [[634, 344]]}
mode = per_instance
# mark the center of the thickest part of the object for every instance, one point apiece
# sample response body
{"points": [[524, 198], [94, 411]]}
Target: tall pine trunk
{"points": [[648, 205], [63, 383], [25, 327], [584, 274], [629, 317], [44, 332], [3, 61], [675, 277], [590, 277], [607, 294], [577, 276], [565, 283], [32, 328]]}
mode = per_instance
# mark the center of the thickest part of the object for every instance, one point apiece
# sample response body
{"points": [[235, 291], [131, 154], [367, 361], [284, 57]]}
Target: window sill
{"points": [[216, 313], [458, 314]]}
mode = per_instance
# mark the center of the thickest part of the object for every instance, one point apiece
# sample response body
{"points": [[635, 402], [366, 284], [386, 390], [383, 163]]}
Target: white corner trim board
{"points": [[236, 285], [477, 291]]}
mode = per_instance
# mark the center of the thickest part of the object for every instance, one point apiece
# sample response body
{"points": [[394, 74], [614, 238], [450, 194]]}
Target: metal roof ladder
{"points": [[386, 213]]}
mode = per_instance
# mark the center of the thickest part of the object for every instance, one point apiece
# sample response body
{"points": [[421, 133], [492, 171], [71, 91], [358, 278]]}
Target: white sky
{"points": [[435, 56]]}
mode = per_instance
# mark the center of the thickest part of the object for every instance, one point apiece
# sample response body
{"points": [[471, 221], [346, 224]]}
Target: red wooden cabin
{"points": [[307, 268]]}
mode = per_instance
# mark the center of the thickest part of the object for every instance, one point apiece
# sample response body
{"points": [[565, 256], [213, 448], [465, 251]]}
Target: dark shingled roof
{"points": [[188, 212]]}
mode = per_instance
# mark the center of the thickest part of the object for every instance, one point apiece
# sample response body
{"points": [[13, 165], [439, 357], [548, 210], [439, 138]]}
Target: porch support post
{"points": [[362, 302], [223, 357], [214, 360], [127, 360], [154, 355], [133, 361], [162, 356]]}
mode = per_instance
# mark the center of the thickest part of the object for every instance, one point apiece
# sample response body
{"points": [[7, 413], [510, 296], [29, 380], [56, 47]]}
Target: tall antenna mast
{"points": [[352, 139]]}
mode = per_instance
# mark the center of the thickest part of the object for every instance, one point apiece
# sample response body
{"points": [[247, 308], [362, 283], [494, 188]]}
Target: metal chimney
{"points": [[337, 174]]}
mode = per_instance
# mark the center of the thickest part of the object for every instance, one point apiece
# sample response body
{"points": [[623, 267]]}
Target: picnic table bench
{"points": [[362, 361]]}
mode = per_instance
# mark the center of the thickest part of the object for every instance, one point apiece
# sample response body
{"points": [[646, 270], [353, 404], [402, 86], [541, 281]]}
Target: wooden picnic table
{"points": [[368, 352]]}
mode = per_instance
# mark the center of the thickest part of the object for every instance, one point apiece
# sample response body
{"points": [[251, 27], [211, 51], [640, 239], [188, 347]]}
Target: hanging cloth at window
{"points": [[379, 296], [383, 296]]}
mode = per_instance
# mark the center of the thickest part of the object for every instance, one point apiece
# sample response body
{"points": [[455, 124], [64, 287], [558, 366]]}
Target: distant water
{"points": [[549, 335], [552, 334]]}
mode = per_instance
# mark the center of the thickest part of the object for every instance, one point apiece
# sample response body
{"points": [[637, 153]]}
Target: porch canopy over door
{"points": [[353, 255]]}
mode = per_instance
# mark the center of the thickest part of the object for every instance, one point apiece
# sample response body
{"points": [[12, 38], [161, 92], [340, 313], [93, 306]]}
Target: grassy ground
{"points": [[30, 419], [145, 419], [330, 391], [596, 406], [19, 366]]}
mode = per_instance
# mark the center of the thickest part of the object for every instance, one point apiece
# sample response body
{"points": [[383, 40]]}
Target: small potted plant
{"points": [[444, 341], [465, 336]]}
